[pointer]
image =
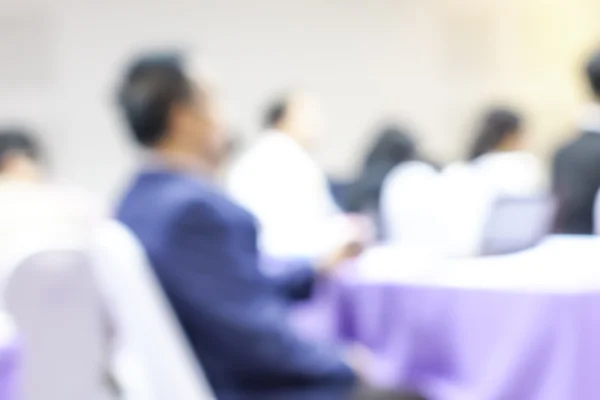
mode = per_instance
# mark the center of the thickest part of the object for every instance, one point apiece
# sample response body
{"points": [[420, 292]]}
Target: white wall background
{"points": [[431, 63]]}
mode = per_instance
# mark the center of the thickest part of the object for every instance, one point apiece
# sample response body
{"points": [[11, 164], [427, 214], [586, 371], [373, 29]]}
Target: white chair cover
{"points": [[517, 223], [442, 212], [148, 330], [407, 200], [464, 200], [54, 300], [48, 284]]}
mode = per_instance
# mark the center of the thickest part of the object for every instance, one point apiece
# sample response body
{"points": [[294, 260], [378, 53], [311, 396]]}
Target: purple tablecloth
{"points": [[462, 342], [9, 360]]}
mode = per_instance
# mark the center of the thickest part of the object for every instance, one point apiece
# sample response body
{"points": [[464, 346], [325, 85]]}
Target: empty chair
{"points": [[152, 357], [56, 305]]}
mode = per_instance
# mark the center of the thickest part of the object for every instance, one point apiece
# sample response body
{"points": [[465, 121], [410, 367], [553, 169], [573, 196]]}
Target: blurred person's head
{"points": [[593, 74], [296, 114], [500, 130], [20, 155], [392, 146], [170, 107]]}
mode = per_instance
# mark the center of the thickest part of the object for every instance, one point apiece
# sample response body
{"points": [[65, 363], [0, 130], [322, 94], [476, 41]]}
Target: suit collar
{"points": [[176, 162]]}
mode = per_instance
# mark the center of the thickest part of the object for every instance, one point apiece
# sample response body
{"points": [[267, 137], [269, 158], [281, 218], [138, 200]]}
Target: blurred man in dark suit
{"points": [[203, 247], [576, 168]]}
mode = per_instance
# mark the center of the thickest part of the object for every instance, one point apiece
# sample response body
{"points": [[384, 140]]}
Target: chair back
{"points": [[517, 223], [442, 212], [53, 298], [406, 199], [148, 328]]}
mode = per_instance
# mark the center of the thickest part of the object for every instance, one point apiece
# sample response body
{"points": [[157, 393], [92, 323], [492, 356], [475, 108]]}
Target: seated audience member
{"points": [[20, 184], [576, 166], [448, 212], [284, 187], [392, 147], [30, 206], [296, 277], [498, 158], [203, 246], [498, 168], [37, 213]]}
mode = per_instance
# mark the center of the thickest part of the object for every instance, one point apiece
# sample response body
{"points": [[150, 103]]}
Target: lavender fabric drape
{"points": [[474, 340]]}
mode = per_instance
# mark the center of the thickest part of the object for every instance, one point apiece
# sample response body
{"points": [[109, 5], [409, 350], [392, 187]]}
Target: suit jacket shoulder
{"points": [[173, 195]]}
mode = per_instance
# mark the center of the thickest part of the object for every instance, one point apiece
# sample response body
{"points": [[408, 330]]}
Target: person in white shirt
{"points": [[448, 212], [498, 157], [498, 168], [32, 207], [36, 214], [283, 186]]}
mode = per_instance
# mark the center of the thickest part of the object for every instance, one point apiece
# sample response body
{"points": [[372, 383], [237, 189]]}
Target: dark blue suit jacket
{"points": [[203, 248], [576, 180]]}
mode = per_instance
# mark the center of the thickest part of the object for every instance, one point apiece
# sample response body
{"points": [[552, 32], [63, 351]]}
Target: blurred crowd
{"points": [[235, 237]]}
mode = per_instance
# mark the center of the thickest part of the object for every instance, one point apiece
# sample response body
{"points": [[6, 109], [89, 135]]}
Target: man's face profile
{"points": [[205, 125]]}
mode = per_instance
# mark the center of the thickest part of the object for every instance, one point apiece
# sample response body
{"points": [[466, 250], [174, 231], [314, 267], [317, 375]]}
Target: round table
{"points": [[520, 326]]}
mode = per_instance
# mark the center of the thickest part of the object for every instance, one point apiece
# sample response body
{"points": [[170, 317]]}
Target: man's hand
{"points": [[330, 262], [357, 232], [361, 360]]}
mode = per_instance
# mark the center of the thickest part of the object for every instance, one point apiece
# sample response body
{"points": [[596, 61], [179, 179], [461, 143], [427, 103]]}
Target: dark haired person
{"points": [[392, 147], [576, 165], [20, 155], [283, 186], [498, 157], [203, 246], [499, 130], [498, 168]]}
